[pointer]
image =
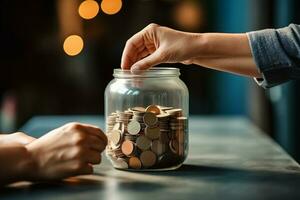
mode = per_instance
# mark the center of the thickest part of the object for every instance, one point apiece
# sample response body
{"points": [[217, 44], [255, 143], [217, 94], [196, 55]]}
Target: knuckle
{"points": [[153, 26], [130, 44], [74, 126], [79, 138]]}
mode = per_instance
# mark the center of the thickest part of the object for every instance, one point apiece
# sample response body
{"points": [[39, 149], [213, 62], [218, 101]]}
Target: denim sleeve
{"points": [[277, 54]]}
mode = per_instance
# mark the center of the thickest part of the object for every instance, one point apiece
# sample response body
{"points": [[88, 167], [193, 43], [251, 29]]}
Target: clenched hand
{"points": [[67, 151]]}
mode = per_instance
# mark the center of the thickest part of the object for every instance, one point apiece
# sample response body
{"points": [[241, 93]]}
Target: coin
{"points": [[158, 147], [180, 136], [123, 117], [133, 127], [175, 112], [138, 118], [143, 142], [115, 136], [146, 137], [117, 126], [130, 137], [152, 132], [148, 158], [153, 109], [120, 163], [112, 145], [164, 137], [174, 146], [162, 116], [134, 163], [181, 118], [127, 147], [180, 149], [118, 152], [165, 108], [150, 119], [110, 121], [139, 109]]}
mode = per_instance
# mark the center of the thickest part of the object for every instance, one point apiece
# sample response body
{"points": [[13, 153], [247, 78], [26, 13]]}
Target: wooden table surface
{"points": [[229, 158]]}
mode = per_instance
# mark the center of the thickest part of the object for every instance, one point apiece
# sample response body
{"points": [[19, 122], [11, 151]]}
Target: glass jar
{"points": [[146, 115]]}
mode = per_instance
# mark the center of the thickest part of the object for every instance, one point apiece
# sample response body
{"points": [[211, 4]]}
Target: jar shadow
{"points": [[224, 174]]}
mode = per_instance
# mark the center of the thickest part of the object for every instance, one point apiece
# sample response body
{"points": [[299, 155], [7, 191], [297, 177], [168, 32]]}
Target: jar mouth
{"points": [[152, 72]]}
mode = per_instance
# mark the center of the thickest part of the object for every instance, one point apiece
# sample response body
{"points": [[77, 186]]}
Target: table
{"points": [[229, 158]]}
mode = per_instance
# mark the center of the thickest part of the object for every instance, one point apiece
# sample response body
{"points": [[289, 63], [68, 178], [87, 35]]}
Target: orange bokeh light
{"points": [[111, 7], [189, 15], [73, 45], [88, 9]]}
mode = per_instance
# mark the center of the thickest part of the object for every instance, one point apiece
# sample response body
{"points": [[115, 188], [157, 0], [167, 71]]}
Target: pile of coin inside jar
{"points": [[147, 138]]}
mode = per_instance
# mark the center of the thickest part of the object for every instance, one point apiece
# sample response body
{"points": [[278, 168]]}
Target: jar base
{"points": [[151, 170]]}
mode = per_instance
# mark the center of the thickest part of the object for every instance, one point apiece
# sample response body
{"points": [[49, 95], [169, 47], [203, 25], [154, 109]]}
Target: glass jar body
{"points": [[147, 120]]}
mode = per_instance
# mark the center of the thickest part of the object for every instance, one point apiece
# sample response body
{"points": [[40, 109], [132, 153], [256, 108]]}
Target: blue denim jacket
{"points": [[277, 54]]}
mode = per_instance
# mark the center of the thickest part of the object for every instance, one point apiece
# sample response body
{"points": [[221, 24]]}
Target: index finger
{"points": [[95, 131], [132, 49]]}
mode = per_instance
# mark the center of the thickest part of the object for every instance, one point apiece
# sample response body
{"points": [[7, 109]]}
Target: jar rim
{"points": [[152, 72]]}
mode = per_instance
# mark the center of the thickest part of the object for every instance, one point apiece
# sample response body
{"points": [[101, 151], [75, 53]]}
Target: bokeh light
{"points": [[111, 7], [189, 15], [88, 9], [73, 45]]}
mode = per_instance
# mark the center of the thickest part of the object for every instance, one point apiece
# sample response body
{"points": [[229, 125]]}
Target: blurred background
{"points": [[58, 56]]}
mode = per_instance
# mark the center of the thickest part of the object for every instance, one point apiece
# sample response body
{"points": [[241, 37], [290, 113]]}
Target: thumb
{"points": [[153, 59]]}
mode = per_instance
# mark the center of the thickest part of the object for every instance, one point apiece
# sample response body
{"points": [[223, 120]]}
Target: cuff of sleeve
{"points": [[266, 50], [272, 78]]}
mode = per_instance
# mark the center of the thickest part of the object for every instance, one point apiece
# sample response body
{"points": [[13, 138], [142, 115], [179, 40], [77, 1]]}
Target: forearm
{"points": [[16, 164], [226, 52], [236, 65]]}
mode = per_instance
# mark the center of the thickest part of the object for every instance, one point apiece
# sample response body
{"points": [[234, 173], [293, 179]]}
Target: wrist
{"points": [[29, 166], [199, 46]]}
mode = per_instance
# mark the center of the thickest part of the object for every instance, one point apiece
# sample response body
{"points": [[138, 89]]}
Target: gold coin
{"points": [[135, 163], [148, 158], [152, 132], [150, 119], [153, 109], [127, 147], [133, 127], [143, 142]]}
